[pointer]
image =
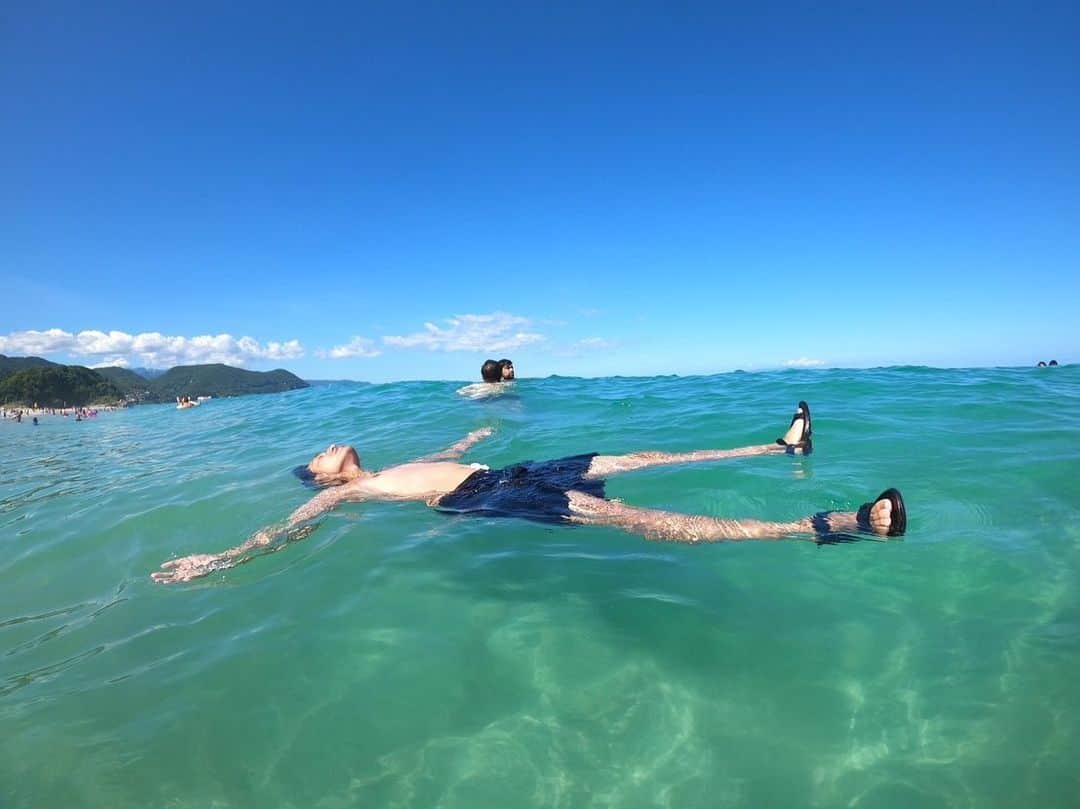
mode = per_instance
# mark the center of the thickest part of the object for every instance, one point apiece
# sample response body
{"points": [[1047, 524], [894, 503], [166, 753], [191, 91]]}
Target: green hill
{"points": [[26, 380], [135, 388], [58, 386], [12, 365], [220, 380]]}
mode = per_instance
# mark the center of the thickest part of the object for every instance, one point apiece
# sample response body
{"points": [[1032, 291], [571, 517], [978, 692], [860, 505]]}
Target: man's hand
{"points": [[476, 435], [187, 568]]}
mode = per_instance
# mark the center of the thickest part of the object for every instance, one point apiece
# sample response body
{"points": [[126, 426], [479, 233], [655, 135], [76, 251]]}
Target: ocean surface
{"points": [[398, 657]]}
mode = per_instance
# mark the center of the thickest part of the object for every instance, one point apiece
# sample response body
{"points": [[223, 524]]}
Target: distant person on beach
{"points": [[566, 491]]}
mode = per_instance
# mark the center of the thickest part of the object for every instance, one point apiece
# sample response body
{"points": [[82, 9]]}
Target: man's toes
{"points": [[881, 516]]}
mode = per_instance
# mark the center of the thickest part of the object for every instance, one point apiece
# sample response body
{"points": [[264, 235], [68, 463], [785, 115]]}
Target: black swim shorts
{"points": [[530, 490]]}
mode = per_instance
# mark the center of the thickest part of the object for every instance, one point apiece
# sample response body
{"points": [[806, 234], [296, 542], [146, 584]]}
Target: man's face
{"points": [[334, 461], [508, 371]]}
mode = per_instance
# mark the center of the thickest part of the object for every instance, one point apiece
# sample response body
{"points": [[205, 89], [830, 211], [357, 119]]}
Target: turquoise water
{"points": [[400, 657]]}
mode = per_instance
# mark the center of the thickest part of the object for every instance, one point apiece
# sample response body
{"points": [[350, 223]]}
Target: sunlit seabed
{"points": [[400, 657]]}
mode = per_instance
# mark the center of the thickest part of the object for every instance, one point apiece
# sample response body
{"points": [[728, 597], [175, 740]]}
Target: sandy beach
{"points": [[29, 413]]}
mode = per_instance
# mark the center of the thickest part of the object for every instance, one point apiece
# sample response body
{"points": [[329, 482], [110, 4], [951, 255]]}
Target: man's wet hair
{"points": [[1053, 362], [504, 362], [491, 371], [307, 477]]}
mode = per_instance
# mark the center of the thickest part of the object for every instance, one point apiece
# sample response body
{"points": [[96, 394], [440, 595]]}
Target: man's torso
{"points": [[419, 480]]}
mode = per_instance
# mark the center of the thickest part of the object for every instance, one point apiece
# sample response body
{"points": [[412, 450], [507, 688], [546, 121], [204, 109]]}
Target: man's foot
{"points": [[798, 437], [886, 516]]}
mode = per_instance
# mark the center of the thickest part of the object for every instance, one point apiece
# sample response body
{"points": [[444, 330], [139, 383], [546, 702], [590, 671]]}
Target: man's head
{"points": [[491, 371], [506, 370], [338, 463]]}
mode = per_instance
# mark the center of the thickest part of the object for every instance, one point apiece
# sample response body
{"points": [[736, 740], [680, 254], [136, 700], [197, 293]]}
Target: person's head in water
{"points": [[491, 371], [1053, 362], [338, 463], [506, 370], [1042, 363]]}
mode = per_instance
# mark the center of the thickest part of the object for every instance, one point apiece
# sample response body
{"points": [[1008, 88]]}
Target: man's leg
{"points": [[796, 441], [884, 517]]}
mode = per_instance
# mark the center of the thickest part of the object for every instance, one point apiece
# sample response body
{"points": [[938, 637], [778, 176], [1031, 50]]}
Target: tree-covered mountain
{"points": [[134, 387], [123, 378], [58, 386], [30, 380], [12, 365], [149, 373], [221, 380]]}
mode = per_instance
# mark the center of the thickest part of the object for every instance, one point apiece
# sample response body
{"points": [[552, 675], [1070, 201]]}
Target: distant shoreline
{"points": [[9, 412]]}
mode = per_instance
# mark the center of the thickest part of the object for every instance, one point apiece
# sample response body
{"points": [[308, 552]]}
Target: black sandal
{"points": [[804, 443], [898, 524]]}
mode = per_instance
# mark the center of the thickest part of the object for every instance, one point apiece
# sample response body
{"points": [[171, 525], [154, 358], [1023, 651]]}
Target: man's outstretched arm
{"points": [[455, 451], [267, 540]]}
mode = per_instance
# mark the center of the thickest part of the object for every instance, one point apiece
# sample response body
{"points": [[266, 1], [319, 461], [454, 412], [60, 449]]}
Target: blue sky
{"points": [[399, 191]]}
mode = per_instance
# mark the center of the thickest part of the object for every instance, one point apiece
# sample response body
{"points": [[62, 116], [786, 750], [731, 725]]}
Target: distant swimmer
{"points": [[567, 491], [1053, 362], [495, 373], [184, 402], [490, 371], [1042, 364]]}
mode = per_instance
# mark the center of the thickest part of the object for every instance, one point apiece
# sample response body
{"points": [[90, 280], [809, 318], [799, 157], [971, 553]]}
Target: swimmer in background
{"points": [[567, 491], [496, 374]]}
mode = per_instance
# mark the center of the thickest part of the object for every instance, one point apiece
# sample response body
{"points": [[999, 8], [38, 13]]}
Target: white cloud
{"points": [[148, 348], [496, 332], [112, 362], [596, 344], [35, 342], [288, 350], [356, 347], [803, 362]]}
